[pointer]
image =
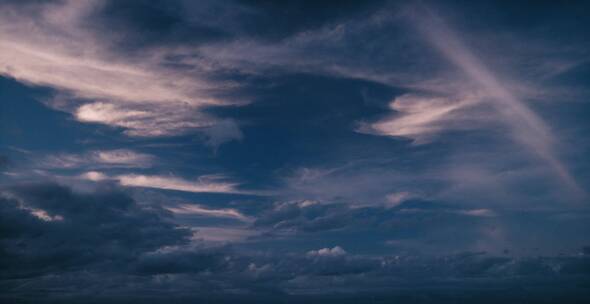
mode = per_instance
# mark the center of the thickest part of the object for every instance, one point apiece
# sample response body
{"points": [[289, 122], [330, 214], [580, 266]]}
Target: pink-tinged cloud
{"points": [[527, 127], [51, 44], [194, 209], [204, 184]]}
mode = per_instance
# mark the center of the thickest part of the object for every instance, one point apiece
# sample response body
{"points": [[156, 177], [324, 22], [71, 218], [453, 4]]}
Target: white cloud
{"points": [[479, 212], [527, 127], [98, 159], [94, 176], [43, 215], [36, 212], [123, 157], [203, 184], [194, 209], [147, 119], [51, 44], [421, 117], [328, 252], [396, 198]]}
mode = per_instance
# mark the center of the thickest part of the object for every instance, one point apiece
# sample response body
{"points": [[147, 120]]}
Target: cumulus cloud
{"points": [[328, 252]]}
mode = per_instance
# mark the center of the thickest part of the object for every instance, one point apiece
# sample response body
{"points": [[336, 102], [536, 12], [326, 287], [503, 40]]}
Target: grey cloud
{"points": [[47, 228], [224, 131], [188, 261], [412, 221], [4, 163], [124, 158]]}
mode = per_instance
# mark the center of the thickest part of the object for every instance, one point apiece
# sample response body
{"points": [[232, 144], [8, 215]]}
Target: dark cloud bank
{"points": [[62, 246]]}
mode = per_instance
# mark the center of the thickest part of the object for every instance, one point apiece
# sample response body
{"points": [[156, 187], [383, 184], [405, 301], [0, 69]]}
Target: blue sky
{"points": [[297, 151]]}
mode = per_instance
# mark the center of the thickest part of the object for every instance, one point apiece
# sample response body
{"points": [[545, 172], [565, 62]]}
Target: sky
{"points": [[294, 151]]}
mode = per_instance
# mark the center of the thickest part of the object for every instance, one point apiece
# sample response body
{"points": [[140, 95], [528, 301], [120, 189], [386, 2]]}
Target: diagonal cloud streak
{"points": [[527, 127]]}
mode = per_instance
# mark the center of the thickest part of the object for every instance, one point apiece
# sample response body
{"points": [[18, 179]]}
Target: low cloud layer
{"points": [[110, 228]]}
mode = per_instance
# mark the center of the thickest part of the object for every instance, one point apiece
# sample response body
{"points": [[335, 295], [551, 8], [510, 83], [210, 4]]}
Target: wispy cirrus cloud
{"points": [[55, 44], [422, 117], [195, 209], [204, 184], [527, 127], [98, 159]]}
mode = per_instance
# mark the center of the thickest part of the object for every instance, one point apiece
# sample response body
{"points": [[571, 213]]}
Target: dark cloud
{"points": [[47, 228], [274, 21], [409, 219], [3, 162], [191, 261], [135, 25]]}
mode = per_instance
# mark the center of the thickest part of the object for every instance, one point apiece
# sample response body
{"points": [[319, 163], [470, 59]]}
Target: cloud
{"points": [[203, 184], [328, 252], [3, 162], [479, 212], [94, 176], [528, 128], [416, 222], [98, 159], [146, 120], [119, 240], [194, 209], [422, 117], [182, 261], [110, 229], [224, 131], [123, 157], [223, 235], [63, 48], [396, 198]]}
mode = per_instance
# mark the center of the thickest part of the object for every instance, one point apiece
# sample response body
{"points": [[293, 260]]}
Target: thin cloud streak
{"points": [[174, 183], [204, 184], [99, 158], [421, 117], [194, 209], [528, 128]]}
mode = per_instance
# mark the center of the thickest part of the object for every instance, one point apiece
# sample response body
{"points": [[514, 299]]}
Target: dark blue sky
{"points": [[422, 151]]}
